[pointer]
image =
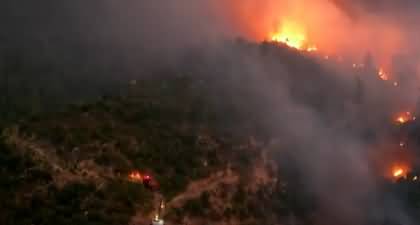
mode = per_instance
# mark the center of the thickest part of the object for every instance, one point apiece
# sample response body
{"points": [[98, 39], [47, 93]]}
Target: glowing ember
{"points": [[291, 39], [294, 36], [382, 74], [402, 144], [136, 176], [312, 49], [404, 118], [398, 172]]}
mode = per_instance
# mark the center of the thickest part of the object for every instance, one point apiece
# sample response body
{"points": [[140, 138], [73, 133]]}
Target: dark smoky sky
{"points": [[161, 26], [402, 15], [179, 20]]}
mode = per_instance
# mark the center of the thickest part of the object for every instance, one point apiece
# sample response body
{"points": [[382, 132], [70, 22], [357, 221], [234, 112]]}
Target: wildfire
{"points": [[398, 172], [145, 179], [402, 119], [294, 36], [136, 176], [405, 117], [312, 48], [382, 74]]}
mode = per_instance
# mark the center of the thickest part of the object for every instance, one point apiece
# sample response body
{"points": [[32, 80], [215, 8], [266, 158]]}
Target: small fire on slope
{"points": [[404, 117], [147, 180], [393, 161], [136, 176], [382, 74], [399, 171]]}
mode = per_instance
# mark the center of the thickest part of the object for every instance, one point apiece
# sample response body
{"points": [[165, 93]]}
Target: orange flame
{"points": [[294, 36], [312, 48], [382, 74], [404, 117], [136, 176], [400, 171]]}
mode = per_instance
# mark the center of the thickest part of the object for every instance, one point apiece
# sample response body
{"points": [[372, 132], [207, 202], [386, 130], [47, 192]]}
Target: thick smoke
{"points": [[311, 109], [321, 126], [405, 8]]}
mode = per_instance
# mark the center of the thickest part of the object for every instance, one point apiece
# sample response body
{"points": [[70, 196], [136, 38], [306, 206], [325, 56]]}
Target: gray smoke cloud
{"points": [[320, 125], [401, 14]]}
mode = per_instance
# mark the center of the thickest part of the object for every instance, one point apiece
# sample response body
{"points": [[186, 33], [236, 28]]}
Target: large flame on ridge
{"points": [[293, 35], [320, 26]]}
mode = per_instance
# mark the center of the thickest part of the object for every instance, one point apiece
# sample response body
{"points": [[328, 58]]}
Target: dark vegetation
{"points": [[29, 196], [153, 133], [164, 127], [180, 125]]}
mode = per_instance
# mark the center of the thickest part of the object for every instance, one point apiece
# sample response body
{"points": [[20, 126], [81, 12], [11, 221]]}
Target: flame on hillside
{"points": [[136, 176], [404, 117], [382, 74], [400, 171], [293, 35]]}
